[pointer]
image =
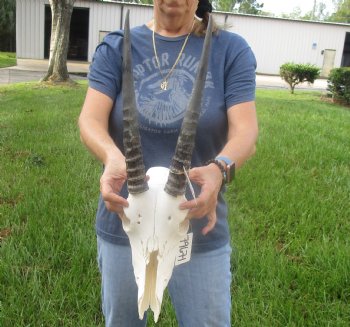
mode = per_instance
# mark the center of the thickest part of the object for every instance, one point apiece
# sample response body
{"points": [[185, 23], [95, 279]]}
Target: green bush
{"points": [[295, 74], [339, 84]]}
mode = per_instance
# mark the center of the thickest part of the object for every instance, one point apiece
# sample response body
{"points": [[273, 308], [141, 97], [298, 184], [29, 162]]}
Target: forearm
{"points": [[240, 148], [96, 138], [242, 133], [93, 124]]}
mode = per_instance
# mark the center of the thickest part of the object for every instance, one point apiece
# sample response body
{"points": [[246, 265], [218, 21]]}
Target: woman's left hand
{"points": [[209, 178]]}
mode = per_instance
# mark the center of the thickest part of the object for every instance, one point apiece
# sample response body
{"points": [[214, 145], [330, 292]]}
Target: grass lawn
{"points": [[290, 210], [7, 59]]}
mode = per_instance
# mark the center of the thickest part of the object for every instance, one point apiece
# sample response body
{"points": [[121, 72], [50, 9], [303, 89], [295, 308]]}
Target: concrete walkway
{"points": [[276, 82], [28, 70], [33, 70]]}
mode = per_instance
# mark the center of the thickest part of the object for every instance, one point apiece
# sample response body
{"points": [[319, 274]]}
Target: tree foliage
{"points": [[250, 7], [7, 25], [339, 84], [225, 5], [295, 14], [240, 6], [295, 74], [318, 13], [342, 12]]}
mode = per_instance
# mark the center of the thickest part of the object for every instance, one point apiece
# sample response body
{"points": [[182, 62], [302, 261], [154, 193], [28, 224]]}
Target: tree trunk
{"points": [[61, 16]]}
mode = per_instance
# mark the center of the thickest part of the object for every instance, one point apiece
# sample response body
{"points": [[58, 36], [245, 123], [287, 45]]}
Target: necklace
{"points": [[164, 83]]}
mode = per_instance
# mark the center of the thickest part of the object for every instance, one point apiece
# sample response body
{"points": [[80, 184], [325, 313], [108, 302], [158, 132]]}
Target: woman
{"points": [[165, 55]]}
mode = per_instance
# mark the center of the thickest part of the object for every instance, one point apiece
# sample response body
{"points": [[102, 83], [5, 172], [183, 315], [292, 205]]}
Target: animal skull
{"points": [[155, 227], [153, 222]]}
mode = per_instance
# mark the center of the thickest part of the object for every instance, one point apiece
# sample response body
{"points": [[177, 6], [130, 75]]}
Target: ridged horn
{"points": [[131, 138], [176, 184]]}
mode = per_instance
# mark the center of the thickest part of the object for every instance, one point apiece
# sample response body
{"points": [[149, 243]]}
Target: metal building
{"points": [[274, 41]]}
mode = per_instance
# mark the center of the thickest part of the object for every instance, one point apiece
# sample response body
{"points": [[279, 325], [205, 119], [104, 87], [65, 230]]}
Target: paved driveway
{"points": [[276, 82], [9, 76], [28, 70], [33, 70]]}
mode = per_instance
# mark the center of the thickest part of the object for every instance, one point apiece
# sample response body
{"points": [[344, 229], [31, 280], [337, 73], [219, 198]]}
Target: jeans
{"points": [[199, 290]]}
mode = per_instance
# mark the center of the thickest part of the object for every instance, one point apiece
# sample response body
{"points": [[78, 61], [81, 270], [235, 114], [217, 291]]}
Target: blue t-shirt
{"points": [[230, 81]]}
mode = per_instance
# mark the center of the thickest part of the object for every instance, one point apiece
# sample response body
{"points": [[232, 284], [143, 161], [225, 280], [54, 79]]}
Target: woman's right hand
{"points": [[111, 183], [94, 132]]}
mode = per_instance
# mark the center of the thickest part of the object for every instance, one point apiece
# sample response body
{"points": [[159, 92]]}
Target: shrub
{"points": [[295, 74], [339, 84]]}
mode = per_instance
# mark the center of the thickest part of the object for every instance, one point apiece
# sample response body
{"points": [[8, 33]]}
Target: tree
{"points": [[250, 7], [145, 2], [241, 6], [224, 5], [318, 13], [339, 84], [295, 14], [342, 12], [295, 74], [7, 25], [61, 16]]}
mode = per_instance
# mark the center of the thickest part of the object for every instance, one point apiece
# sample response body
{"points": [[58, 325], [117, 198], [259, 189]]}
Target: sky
{"points": [[287, 6]]}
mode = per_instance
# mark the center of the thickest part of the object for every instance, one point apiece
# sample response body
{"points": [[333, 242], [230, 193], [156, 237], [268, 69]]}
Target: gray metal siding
{"points": [[107, 17], [277, 41], [30, 28], [274, 41]]}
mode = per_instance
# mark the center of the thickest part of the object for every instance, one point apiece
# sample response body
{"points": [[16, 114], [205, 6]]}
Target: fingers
{"points": [[196, 211], [211, 223], [189, 205], [194, 174], [199, 208], [109, 190], [205, 205], [114, 202]]}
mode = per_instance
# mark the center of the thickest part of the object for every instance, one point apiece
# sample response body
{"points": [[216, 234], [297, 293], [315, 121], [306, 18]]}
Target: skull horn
{"points": [[131, 138], [176, 184]]}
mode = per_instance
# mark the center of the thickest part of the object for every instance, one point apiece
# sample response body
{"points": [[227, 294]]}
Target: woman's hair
{"points": [[203, 11]]}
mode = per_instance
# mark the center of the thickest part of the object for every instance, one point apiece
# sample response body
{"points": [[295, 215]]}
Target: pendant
{"points": [[164, 85]]}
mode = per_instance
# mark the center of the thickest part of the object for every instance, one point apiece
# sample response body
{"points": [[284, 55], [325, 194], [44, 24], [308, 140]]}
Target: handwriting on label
{"points": [[185, 248]]}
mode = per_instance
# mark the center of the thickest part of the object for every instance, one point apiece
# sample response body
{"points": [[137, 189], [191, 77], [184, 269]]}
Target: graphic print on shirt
{"points": [[166, 108]]}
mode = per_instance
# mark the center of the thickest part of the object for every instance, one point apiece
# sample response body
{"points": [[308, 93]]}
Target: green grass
{"points": [[7, 59], [290, 210], [289, 214]]}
